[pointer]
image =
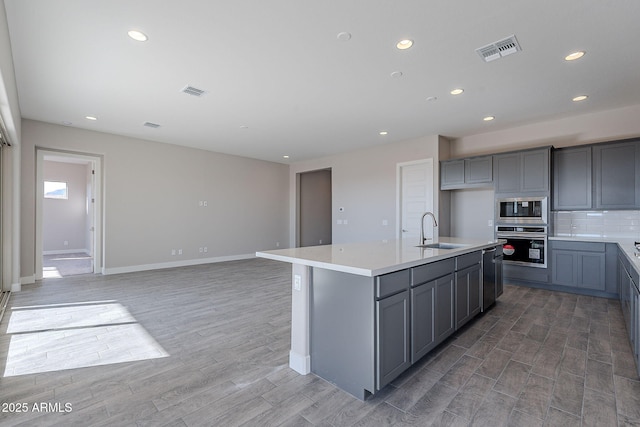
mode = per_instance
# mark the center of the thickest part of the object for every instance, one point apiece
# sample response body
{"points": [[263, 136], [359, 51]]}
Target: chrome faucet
{"points": [[435, 224]]}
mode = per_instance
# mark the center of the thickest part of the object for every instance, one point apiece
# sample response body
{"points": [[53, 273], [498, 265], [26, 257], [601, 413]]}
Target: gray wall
{"points": [[470, 212], [10, 167], [151, 195], [65, 220], [365, 185]]}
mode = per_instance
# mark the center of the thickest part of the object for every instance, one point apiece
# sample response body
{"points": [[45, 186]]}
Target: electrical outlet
{"points": [[179, 251], [200, 250], [385, 222], [206, 204], [490, 223], [297, 282], [205, 249], [173, 252]]}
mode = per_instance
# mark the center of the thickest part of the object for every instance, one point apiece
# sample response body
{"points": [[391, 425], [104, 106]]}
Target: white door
{"points": [[415, 198]]}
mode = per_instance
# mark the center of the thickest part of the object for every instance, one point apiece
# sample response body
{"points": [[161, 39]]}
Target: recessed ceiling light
{"points": [[580, 98], [384, 132], [574, 55], [138, 35], [396, 74], [244, 127], [456, 91], [432, 98], [91, 118], [488, 118], [285, 157], [344, 36], [404, 44]]}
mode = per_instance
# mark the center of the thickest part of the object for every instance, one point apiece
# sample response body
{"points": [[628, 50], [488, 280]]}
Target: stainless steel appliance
{"points": [[522, 210], [491, 276], [525, 245]]}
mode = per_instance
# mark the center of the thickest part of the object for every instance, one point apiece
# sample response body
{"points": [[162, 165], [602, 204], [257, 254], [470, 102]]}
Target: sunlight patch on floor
{"points": [[51, 273], [69, 336]]}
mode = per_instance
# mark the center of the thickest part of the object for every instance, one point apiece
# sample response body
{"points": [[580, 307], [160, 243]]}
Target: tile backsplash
{"points": [[625, 224]]}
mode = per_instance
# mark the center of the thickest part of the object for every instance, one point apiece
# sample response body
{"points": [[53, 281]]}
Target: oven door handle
{"points": [[525, 235]]}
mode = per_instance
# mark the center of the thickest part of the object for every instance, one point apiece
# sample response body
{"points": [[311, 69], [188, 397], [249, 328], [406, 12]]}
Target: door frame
{"points": [[399, 167], [95, 162]]}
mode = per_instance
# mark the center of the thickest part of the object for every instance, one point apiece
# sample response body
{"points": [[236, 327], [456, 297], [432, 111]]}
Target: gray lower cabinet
{"points": [[366, 331], [630, 302], [431, 315], [579, 264], [468, 302], [393, 348], [444, 314]]}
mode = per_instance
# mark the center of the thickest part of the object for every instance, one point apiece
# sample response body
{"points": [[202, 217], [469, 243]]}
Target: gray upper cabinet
{"points": [[535, 171], [522, 172], [478, 170], [507, 172], [572, 178], [616, 169], [452, 174], [466, 173]]}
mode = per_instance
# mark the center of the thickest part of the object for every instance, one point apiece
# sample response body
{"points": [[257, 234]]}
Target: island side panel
{"points": [[299, 356], [342, 330]]}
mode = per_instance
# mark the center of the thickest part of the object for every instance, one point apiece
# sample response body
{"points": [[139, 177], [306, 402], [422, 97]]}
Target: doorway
{"points": [[415, 197], [68, 214], [314, 208]]}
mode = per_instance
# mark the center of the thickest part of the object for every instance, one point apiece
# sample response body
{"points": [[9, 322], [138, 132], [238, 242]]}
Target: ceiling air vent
{"points": [[190, 90], [151, 125], [499, 49]]}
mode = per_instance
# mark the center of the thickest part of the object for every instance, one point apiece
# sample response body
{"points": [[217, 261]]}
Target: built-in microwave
{"points": [[522, 210]]}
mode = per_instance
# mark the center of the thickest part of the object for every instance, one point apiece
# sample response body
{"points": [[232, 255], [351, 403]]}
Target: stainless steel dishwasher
{"points": [[491, 276]]}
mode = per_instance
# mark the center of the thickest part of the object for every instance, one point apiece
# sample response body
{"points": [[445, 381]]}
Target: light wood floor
{"points": [[208, 346]]}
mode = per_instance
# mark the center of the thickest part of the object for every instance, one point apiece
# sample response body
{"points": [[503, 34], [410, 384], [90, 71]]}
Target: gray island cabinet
{"points": [[368, 321]]}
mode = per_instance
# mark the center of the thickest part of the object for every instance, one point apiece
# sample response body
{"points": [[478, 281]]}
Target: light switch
{"points": [[297, 282]]}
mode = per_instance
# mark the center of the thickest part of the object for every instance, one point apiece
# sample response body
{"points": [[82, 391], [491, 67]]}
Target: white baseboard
{"points": [[66, 251], [299, 363], [173, 264]]}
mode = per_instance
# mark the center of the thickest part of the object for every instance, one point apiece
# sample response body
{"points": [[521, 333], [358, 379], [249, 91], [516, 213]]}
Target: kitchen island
{"points": [[362, 313]]}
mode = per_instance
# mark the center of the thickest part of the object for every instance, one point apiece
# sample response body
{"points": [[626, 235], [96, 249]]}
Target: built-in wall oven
{"points": [[522, 210], [525, 245]]}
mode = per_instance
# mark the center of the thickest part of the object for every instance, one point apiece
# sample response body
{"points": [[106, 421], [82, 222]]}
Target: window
{"points": [[55, 190]]}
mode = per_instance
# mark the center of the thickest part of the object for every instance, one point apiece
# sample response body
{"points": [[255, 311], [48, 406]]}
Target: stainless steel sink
{"points": [[443, 246]]}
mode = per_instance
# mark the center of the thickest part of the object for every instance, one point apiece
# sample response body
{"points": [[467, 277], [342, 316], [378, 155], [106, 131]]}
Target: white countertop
{"points": [[374, 258]]}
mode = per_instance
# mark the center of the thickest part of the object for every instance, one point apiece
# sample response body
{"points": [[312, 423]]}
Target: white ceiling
{"points": [[280, 82]]}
